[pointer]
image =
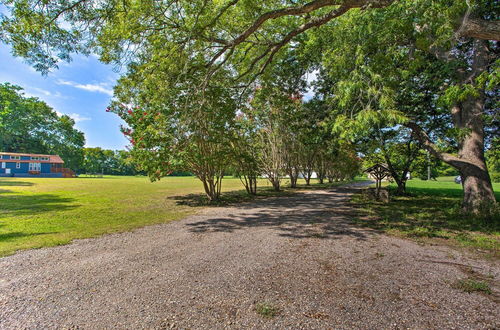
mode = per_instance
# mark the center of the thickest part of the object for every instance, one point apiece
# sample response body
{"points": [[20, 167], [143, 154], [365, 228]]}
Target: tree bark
{"points": [[401, 187], [470, 161], [480, 29], [250, 184], [276, 184], [293, 174], [469, 115]]}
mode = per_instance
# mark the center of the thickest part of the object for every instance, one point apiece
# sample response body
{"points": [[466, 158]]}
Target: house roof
{"points": [[52, 158]]}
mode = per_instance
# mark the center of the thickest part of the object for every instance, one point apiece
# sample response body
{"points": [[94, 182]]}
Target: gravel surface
{"points": [[299, 255]]}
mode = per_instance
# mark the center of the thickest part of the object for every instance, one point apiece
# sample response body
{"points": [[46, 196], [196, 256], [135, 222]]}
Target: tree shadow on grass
{"points": [[227, 198], [443, 192], [21, 205], [7, 236], [423, 213], [239, 196], [304, 215], [13, 235], [11, 183]]}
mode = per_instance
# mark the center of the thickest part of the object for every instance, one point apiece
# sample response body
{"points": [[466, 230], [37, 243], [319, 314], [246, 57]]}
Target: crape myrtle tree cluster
{"points": [[443, 52], [291, 138], [172, 130], [209, 133]]}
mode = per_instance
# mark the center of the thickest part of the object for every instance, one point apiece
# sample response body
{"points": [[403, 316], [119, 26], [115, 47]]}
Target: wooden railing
{"points": [[66, 172]]}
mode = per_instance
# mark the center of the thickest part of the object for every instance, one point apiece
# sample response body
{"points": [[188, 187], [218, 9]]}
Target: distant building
{"points": [[33, 165]]}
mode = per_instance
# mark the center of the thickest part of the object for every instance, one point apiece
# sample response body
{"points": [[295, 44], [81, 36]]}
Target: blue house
{"points": [[32, 165]]}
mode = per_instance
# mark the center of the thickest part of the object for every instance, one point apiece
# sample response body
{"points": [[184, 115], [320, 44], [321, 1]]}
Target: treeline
{"points": [[112, 162]]}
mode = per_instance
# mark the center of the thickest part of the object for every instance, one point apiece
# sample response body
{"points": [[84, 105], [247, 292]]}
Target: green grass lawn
{"points": [[443, 186], [431, 212], [37, 212]]}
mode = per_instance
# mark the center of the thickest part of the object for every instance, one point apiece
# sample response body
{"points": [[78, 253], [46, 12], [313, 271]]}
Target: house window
{"points": [[35, 167], [18, 165], [3, 164], [15, 157]]}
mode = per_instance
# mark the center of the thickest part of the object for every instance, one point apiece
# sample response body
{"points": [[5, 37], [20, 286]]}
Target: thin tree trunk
{"points": [[253, 185], [293, 174], [276, 184]]}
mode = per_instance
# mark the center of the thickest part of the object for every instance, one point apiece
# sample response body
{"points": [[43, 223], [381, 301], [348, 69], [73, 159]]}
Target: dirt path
{"points": [[299, 254]]}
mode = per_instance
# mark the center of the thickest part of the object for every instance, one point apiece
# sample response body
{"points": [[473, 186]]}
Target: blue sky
{"points": [[81, 89]]}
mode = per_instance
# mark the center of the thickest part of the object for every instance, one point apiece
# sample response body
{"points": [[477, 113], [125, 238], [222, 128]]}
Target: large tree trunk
{"points": [[478, 190], [475, 176], [470, 161], [469, 115], [401, 187]]}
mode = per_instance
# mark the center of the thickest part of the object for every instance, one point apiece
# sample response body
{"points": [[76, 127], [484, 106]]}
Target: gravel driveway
{"points": [[298, 255]]}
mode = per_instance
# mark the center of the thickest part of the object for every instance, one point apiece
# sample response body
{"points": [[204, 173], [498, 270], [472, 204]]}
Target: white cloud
{"points": [[39, 92], [78, 118], [75, 116], [97, 88]]}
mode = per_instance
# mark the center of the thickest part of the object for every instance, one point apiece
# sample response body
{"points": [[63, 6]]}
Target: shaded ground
{"points": [[431, 213], [299, 256]]}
